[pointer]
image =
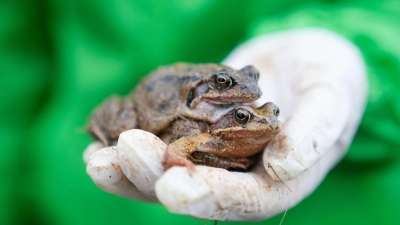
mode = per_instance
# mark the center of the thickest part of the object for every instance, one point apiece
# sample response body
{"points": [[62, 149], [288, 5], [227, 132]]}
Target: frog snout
{"points": [[252, 91], [257, 95]]}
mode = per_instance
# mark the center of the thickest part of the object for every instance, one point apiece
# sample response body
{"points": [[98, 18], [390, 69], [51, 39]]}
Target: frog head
{"points": [[246, 122], [228, 86]]}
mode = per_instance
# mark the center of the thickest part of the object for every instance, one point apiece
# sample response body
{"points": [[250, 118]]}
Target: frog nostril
{"points": [[256, 76], [276, 110]]}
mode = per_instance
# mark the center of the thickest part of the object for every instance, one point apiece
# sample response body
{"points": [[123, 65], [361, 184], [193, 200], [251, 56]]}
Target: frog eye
{"points": [[242, 116], [276, 110], [222, 81]]}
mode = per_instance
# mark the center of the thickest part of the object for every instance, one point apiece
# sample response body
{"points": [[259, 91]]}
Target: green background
{"points": [[59, 59]]}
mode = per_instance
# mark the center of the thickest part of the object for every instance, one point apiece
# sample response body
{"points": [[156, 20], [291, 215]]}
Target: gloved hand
{"points": [[318, 80]]}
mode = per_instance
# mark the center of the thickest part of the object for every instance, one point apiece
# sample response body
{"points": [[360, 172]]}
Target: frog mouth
{"points": [[223, 99], [240, 93]]}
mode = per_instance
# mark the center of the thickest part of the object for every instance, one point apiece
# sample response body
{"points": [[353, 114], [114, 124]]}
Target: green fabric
{"points": [[59, 59]]}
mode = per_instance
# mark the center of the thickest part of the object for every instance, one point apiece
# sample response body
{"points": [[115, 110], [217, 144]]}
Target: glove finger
{"points": [[104, 169], [141, 154], [90, 149]]}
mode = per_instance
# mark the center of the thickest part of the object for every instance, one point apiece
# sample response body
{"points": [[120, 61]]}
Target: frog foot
{"points": [[172, 160], [240, 163], [114, 116]]}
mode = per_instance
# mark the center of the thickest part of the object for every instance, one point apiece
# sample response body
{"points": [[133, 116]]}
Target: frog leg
{"points": [[111, 118], [98, 133], [153, 121], [195, 102], [177, 153]]}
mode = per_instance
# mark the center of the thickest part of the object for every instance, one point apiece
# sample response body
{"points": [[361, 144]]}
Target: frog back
{"points": [[163, 95]]}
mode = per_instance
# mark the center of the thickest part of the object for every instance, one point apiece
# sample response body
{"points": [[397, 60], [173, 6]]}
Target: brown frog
{"points": [[229, 143], [195, 91]]}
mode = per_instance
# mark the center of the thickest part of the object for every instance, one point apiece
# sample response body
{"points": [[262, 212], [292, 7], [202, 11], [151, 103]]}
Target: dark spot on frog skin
{"points": [[169, 78], [190, 79], [162, 107], [151, 85]]}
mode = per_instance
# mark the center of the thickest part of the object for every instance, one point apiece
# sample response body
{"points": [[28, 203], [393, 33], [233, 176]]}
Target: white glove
{"points": [[317, 79]]}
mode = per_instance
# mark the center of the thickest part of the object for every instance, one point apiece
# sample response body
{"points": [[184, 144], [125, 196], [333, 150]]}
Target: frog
{"points": [[182, 90], [229, 143]]}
